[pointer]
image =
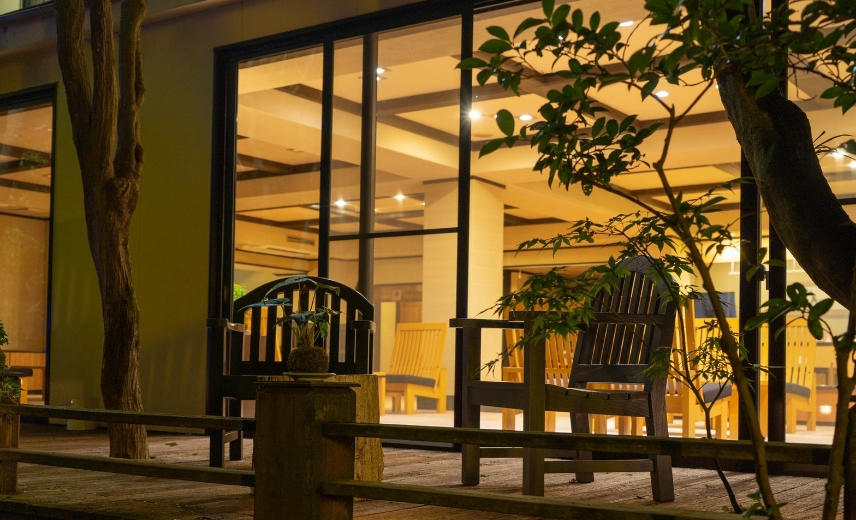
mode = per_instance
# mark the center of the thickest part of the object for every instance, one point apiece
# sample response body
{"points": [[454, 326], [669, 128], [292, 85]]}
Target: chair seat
{"points": [[610, 395], [711, 391], [405, 379], [800, 390]]}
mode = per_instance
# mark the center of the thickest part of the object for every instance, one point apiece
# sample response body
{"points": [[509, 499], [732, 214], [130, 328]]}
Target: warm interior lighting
{"points": [[729, 254], [525, 117], [825, 409], [837, 154], [853, 164], [475, 114], [662, 94], [628, 23], [340, 203], [399, 197], [381, 70]]}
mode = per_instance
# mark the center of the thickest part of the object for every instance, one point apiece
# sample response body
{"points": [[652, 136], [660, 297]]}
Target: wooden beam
{"points": [[20, 166], [26, 186], [540, 507], [142, 468], [26, 154], [210, 422]]}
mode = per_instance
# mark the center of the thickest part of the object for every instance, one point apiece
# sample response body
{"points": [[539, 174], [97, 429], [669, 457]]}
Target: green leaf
{"points": [[490, 147], [595, 21], [767, 86], [495, 46], [561, 14], [547, 5], [820, 308], [483, 76], [499, 32], [528, 24], [472, 63], [597, 126], [505, 122], [577, 20]]}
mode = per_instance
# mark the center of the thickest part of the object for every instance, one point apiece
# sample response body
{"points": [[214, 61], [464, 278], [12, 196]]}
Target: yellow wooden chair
{"points": [[800, 377], [559, 355], [416, 367], [681, 401]]}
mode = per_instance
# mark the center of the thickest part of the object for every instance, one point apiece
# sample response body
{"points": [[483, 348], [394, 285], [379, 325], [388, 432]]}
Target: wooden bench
{"points": [[614, 348], [239, 354]]}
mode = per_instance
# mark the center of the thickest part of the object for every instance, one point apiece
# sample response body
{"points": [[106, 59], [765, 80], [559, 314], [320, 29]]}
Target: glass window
{"points": [[26, 148], [278, 166]]}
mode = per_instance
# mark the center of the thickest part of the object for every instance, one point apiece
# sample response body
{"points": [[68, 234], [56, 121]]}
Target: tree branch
{"points": [[777, 141], [70, 18], [129, 159]]}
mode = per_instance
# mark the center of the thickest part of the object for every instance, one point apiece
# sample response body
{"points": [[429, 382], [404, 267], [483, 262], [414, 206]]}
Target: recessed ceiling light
{"points": [[853, 164], [340, 203], [525, 117], [399, 197], [837, 154], [628, 23], [475, 114], [662, 94], [381, 70], [379, 78]]}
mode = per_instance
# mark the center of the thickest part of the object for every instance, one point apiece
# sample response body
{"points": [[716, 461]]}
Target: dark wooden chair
{"points": [[249, 345], [614, 348]]}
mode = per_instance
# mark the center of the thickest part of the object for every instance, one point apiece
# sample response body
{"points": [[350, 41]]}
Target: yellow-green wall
{"points": [[170, 231]]}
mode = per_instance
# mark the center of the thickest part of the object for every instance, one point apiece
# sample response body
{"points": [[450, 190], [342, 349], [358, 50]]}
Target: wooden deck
{"points": [[47, 492]]}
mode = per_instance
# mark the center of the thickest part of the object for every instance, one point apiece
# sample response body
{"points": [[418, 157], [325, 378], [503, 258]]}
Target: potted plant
{"points": [[307, 361], [10, 384]]}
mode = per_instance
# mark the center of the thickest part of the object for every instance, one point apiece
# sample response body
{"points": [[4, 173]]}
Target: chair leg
{"points": [[236, 447], [215, 448], [733, 417], [662, 483], [790, 416], [509, 417], [440, 392], [409, 401], [580, 424], [549, 421]]}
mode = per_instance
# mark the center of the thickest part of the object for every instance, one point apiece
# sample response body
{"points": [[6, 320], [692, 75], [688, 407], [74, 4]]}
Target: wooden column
{"points": [[10, 427], [850, 466], [292, 458]]}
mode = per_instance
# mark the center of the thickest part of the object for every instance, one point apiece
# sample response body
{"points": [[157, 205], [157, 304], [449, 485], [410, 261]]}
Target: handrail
{"points": [[676, 447], [210, 422]]}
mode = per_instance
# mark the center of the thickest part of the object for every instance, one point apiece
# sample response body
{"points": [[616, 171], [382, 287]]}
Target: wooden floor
{"points": [[47, 492]]}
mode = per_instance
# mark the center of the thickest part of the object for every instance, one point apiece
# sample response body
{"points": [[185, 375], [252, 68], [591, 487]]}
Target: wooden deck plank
{"points": [[125, 497]]}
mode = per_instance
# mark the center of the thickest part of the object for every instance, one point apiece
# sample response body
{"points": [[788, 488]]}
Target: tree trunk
{"points": [[776, 138], [105, 119]]}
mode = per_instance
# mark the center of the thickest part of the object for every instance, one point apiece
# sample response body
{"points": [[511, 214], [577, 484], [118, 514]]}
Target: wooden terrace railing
{"points": [[11, 455]]}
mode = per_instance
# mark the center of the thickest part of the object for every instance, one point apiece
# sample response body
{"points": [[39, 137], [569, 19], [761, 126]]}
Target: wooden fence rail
{"points": [[11, 455], [675, 447]]}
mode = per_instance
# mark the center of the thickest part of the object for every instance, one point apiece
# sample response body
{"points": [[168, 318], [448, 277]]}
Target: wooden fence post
{"points": [[291, 455], [10, 427], [850, 466]]}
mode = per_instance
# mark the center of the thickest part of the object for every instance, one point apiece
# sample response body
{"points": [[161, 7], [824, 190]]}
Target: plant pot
{"points": [[309, 377]]}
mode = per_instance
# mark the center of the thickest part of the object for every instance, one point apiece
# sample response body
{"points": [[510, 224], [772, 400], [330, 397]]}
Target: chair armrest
{"points": [[379, 374], [478, 323], [223, 323], [362, 325]]}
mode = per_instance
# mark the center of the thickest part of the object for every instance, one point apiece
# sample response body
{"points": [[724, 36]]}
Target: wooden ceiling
{"points": [[25, 161], [418, 117]]}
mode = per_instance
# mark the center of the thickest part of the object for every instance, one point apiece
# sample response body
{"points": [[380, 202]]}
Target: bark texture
{"points": [[106, 131], [777, 141]]}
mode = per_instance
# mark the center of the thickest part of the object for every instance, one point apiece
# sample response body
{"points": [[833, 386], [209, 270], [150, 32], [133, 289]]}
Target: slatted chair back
{"points": [[418, 350], [800, 355], [263, 348], [558, 355], [630, 321]]}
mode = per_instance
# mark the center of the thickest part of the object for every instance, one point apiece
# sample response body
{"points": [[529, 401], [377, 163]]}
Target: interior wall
{"points": [[23, 279]]}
